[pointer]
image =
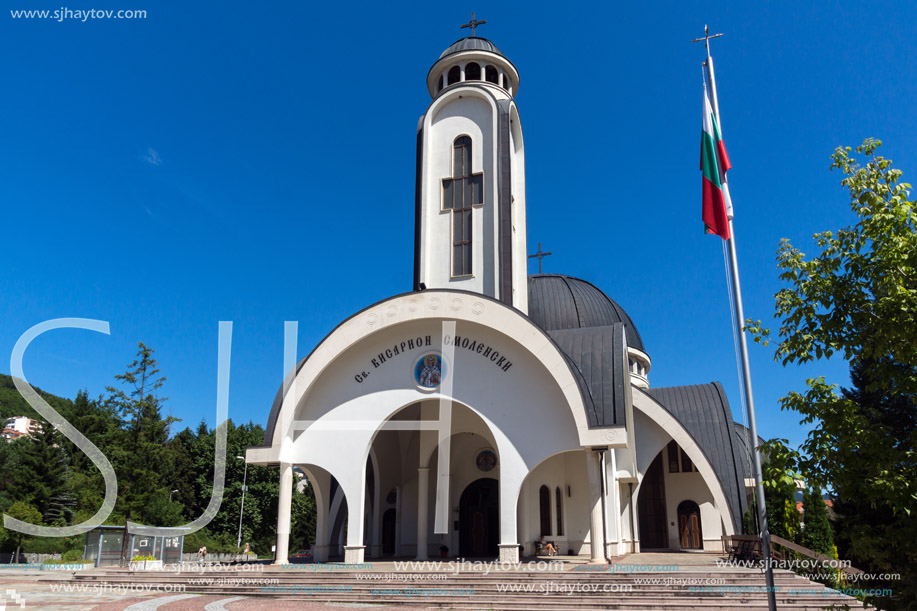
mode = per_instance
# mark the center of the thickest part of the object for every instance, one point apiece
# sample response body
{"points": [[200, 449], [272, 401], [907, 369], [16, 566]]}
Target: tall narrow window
{"points": [[686, 464], [559, 511], [544, 505], [460, 193], [673, 457], [455, 75], [472, 72], [490, 74]]}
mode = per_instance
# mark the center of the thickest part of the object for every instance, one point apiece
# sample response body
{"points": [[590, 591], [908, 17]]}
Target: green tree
{"points": [[26, 513], [41, 472], [858, 298], [816, 532], [138, 450]]}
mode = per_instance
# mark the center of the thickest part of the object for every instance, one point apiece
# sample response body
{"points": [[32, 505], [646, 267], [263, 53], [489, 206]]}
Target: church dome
{"points": [[472, 43], [559, 302]]}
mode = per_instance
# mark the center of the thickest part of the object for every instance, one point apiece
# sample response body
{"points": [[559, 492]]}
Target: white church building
{"points": [[487, 408]]}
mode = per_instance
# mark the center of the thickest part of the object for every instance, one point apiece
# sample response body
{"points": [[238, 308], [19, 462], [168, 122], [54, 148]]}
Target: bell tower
{"points": [[470, 189]]}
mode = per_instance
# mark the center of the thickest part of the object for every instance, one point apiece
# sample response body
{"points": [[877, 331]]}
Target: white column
{"points": [[320, 549], [353, 547], [500, 78], [353, 484], [284, 505], [596, 526], [423, 482], [462, 77], [613, 513], [512, 475], [522, 520]]}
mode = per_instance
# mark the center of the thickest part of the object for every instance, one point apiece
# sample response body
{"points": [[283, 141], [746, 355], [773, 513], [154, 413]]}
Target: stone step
{"points": [[522, 603], [424, 577], [675, 597]]}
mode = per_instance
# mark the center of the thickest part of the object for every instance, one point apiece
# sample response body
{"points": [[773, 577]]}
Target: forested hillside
{"points": [[12, 403], [165, 474]]}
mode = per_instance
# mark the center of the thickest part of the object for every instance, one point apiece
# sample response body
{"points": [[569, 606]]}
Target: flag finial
{"points": [[706, 38]]}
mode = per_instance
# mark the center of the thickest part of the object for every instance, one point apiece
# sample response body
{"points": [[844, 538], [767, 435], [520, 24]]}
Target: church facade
{"points": [[488, 409]]}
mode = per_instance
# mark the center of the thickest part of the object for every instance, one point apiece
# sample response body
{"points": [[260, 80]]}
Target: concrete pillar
{"points": [[613, 513], [423, 482], [353, 484], [596, 524], [375, 528], [320, 480], [284, 505], [500, 78], [462, 77]]}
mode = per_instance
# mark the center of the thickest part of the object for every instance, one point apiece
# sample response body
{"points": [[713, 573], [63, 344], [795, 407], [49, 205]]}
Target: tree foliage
{"points": [[816, 534], [25, 512], [40, 474], [163, 479], [858, 298]]}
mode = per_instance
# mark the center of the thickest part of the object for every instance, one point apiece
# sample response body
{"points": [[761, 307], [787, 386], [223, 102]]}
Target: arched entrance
{"points": [[651, 508], [689, 532], [479, 519]]}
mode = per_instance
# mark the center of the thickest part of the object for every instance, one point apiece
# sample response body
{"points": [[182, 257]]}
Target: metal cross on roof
{"points": [[539, 255], [473, 24]]}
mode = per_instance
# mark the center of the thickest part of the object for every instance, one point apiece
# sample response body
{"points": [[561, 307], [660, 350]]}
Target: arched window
{"points": [[439, 86], [472, 71], [544, 504], [460, 193], [559, 511], [490, 74], [507, 83], [455, 75], [673, 457]]}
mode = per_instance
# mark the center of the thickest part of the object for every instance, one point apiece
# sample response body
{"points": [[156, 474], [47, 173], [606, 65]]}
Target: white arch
{"points": [[432, 306], [676, 431]]}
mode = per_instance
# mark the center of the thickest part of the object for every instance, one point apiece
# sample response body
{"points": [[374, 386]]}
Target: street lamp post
{"points": [[171, 493], [242, 507]]}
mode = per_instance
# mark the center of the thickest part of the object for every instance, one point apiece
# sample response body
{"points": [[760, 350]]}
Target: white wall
{"points": [[520, 247], [468, 113], [559, 471], [691, 487]]}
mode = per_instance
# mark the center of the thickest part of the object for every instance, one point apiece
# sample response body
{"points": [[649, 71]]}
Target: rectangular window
{"points": [[448, 186], [477, 198], [686, 464], [673, 457]]}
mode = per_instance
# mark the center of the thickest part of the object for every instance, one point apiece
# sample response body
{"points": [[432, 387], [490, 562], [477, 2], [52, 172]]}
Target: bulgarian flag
{"points": [[714, 162]]}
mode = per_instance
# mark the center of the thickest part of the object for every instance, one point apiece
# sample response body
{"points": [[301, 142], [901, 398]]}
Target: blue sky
{"points": [[255, 163]]}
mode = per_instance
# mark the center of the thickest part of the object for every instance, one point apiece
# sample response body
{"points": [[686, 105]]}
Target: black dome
{"points": [[562, 302], [471, 44]]}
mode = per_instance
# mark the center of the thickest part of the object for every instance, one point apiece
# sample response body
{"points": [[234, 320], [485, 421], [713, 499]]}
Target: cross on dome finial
{"points": [[540, 256], [473, 23]]}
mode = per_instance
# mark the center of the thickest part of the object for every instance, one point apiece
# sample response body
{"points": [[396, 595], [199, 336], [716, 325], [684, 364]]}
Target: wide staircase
{"points": [[691, 587]]}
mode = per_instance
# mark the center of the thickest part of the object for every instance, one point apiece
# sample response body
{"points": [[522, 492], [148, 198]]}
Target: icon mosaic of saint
{"points": [[429, 371]]}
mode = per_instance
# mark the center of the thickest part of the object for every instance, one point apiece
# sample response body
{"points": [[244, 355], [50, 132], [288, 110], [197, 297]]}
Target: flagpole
{"points": [[746, 372]]}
